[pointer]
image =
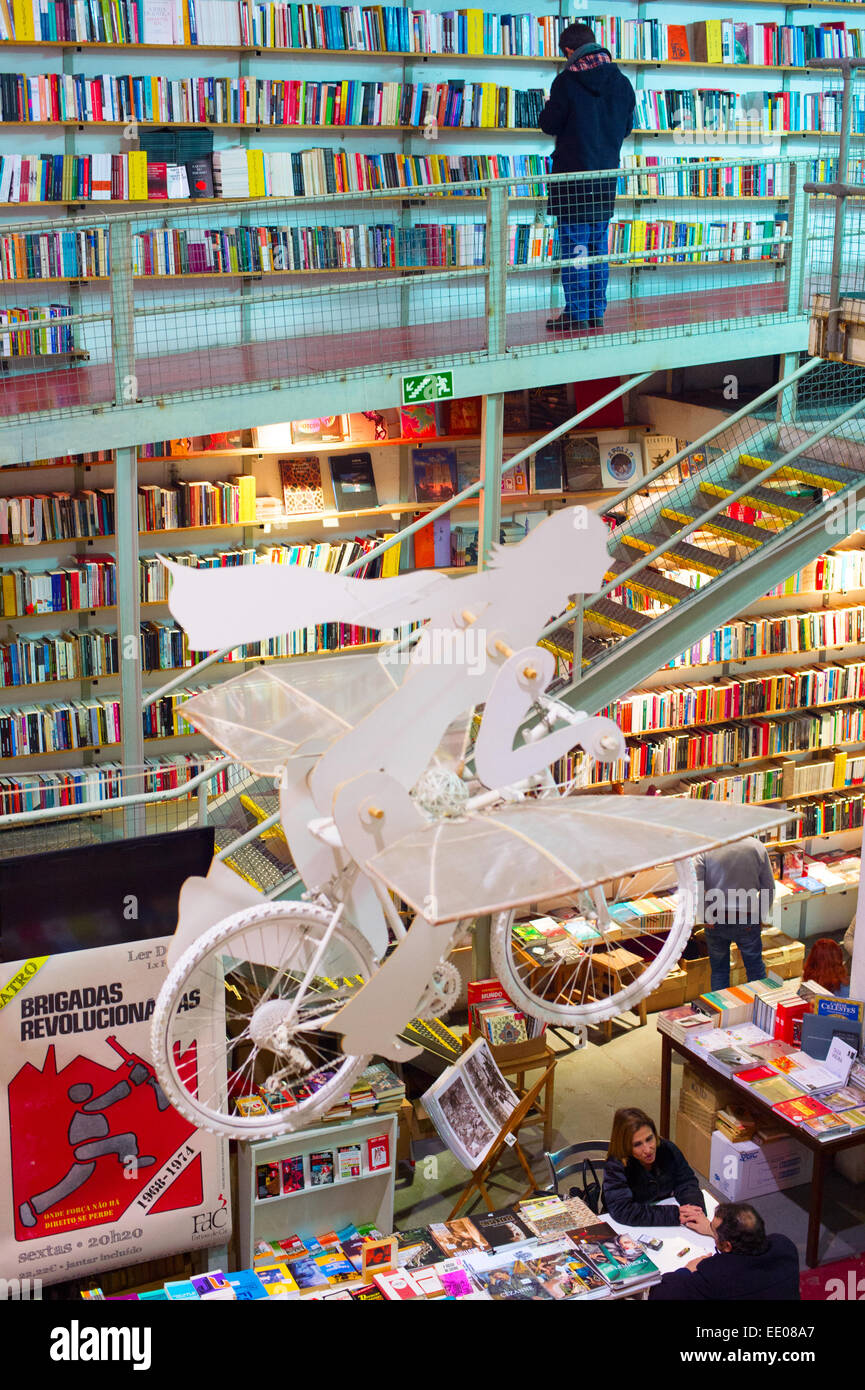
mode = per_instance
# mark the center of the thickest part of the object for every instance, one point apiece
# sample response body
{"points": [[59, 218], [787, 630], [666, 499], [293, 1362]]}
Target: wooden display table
{"points": [[617, 969], [600, 974], [822, 1149]]}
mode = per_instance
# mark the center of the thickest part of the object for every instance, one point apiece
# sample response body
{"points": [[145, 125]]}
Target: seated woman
{"points": [[825, 966], [641, 1170]]}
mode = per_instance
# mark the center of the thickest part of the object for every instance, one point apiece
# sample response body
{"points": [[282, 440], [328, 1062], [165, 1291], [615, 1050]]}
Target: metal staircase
{"points": [[686, 559]]}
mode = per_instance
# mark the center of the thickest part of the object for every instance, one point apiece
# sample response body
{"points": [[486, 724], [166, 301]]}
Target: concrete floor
{"points": [[590, 1085]]}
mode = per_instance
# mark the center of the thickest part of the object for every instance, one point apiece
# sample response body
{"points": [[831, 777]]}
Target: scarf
{"points": [[591, 55]]}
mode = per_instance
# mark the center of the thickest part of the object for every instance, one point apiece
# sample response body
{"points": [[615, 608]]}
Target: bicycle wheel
{"points": [[248, 1007], [574, 980]]}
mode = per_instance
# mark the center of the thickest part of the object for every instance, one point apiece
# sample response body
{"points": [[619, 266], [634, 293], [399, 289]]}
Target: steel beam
{"points": [[490, 499], [128, 622], [48, 434]]}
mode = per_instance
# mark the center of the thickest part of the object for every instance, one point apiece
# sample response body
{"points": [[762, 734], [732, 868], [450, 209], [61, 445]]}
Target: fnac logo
{"points": [[205, 1223]]}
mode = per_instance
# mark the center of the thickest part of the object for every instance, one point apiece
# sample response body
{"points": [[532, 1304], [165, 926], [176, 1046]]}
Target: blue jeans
{"points": [[719, 939], [585, 287]]}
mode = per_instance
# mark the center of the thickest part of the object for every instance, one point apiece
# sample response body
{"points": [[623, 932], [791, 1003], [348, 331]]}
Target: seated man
{"points": [[748, 1266]]}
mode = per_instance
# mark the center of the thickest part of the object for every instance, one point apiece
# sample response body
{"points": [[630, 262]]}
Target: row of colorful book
{"points": [[90, 584], [76, 786], [790, 634], [699, 176], [321, 170], [744, 114], [66, 725], [37, 341], [163, 646], [389, 28], [725, 41], [542, 1249], [695, 241], [256, 174], [257, 101], [737, 743], [655, 711]]}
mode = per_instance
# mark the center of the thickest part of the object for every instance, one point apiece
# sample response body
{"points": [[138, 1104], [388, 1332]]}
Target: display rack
{"points": [[314, 1210]]}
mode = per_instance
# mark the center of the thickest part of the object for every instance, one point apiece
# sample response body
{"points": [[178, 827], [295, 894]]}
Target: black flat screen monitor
{"points": [[97, 895]]}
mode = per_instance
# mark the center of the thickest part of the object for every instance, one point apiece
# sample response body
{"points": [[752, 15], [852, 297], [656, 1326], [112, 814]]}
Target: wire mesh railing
{"points": [[193, 301], [786, 462], [73, 807]]}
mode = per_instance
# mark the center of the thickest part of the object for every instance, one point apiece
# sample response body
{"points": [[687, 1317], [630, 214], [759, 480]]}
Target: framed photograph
{"points": [[464, 416], [374, 426], [419, 422]]}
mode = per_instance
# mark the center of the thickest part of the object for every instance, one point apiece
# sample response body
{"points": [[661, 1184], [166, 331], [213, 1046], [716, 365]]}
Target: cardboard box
{"points": [[851, 1162], [669, 993], [743, 1171], [694, 1142], [708, 1091], [851, 324], [405, 1126], [699, 977]]}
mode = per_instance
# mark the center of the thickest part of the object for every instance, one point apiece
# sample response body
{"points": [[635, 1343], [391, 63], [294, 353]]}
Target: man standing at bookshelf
{"points": [[590, 112], [735, 893]]}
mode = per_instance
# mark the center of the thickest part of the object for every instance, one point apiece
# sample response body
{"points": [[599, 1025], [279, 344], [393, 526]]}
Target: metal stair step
{"points": [[742, 531], [562, 643], [617, 617], [818, 472], [687, 556], [651, 581], [763, 499]]}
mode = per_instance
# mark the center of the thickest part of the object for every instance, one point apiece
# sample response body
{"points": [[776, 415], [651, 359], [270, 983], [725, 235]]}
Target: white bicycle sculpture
{"points": [[377, 802]]}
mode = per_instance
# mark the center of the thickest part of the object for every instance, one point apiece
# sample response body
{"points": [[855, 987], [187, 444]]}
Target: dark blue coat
{"points": [[590, 112], [631, 1190], [731, 1278]]}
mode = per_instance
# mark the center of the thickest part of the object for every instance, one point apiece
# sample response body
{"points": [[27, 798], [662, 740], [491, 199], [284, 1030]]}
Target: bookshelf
{"points": [[247, 65], [63, 654], [695, 722], [367, 1198]]}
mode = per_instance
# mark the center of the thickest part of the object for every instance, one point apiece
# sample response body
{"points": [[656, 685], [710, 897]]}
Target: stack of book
{"points": [[684, 1022], [728, 1006]]}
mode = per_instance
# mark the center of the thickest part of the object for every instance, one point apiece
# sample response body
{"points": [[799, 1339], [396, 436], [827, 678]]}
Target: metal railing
{"points": [[316, 289]]}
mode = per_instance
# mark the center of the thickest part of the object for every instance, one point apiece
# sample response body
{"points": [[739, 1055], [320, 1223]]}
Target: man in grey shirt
{"points": [[735, 893]]}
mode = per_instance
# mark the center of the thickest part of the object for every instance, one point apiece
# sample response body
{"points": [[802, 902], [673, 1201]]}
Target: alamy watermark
{"points": [[845, 516], [21, 1290], [722, 906]]}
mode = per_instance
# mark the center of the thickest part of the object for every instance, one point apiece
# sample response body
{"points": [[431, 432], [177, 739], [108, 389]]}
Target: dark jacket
{"points": [[630, 1189], [590, 112], [731, 1278]]}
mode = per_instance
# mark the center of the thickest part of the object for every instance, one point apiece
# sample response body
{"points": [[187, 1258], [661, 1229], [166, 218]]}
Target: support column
{"points": [[857, 972], [489, 519], [126, 513], [128, 622]]}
